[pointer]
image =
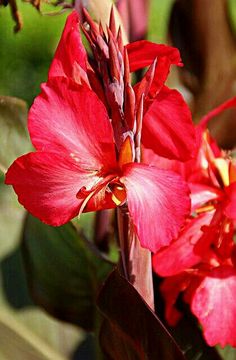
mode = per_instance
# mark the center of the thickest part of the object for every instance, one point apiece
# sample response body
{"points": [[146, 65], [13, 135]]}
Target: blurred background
{"points": [[205, 32]]}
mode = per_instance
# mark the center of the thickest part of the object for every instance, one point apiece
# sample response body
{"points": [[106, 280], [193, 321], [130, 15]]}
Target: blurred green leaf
{"points": [[17, 342], [14, 137], [64, 274], [228, 353]]}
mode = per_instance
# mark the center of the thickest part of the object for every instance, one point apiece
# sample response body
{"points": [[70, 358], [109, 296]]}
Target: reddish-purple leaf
{"points": [[135, 333]]}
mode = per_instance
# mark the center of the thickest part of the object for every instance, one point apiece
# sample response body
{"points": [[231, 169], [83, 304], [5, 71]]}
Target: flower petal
{"points": [[68, 117], [70, 50], [218, 110], [158, 202], [168, 127], [180, 255], [230, 208], [47, 185], [202, 193], [171, 288], [142, 53], [214, 305]]}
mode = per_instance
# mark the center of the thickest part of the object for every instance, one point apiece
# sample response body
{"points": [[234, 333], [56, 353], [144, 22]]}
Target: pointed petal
{"points": [[47, 185], [180, 255], [158, 201], [214, 305], [70, 50], [230, 208], [168, 127], [142, 53], [70, 118], [218, 110]]}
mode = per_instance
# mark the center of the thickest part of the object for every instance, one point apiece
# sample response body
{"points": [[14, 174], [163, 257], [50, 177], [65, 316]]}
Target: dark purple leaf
{"points": [[131, 330]]}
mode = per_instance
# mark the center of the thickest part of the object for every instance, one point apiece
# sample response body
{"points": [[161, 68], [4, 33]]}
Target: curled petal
{"points": [[214, 305], [142, 53], [70, 50], [70, 118], [168, 127], [218, 110], [202, 193], [180, 255], [47, 185], [158, 201]]}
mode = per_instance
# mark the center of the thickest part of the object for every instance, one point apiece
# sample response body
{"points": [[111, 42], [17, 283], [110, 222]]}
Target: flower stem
{"points": [[135, 261]]}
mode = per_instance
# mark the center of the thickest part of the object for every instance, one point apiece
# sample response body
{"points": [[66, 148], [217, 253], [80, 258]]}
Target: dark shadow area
{"points": [[14, 281], [86, 350]]}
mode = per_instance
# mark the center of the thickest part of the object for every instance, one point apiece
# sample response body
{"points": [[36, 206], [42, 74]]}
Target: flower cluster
{"points": [[201, 263], [87, 127]]}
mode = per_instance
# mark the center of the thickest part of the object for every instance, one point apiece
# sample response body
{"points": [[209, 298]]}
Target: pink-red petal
{"points": [[230, 208], [171, 288], [142, 53], [202, 193], [70, 50], [71, 119], [214, 305], [168, 127], [158, 202], [47, 185], [180, 255]]}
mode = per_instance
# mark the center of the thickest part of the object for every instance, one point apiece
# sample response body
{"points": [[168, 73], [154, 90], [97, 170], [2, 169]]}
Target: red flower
{"points": [[75, 168], [167, 123], [86, 127], [201, 262]]}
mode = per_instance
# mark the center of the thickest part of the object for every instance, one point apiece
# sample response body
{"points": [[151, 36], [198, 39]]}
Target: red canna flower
{"points": [[201, 262], [86, 127], [167, 124]]}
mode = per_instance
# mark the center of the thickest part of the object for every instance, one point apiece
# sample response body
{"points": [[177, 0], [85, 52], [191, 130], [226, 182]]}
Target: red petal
{"points": [[170, 289], [158, 202], [168, 127], [47, 185], [215, 307], [68, 117], [143, 53], [230, 208], [201, 194], [70, 49], [179, 255], [218, 110]]}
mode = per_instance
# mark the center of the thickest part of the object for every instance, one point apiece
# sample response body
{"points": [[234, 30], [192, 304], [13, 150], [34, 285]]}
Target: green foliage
{"points": [[158, 20], [64, 274], [14, 137], [26, 56]]}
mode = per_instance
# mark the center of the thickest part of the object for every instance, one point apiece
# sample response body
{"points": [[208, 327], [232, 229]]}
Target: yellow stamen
{"points": [[118, 194], [223, 167], [205, 209]]}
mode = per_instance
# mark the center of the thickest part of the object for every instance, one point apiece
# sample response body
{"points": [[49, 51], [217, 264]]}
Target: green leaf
{"points": [[64, 274], [17, 342], [131, 330], [228, 353], [14, 138]]}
